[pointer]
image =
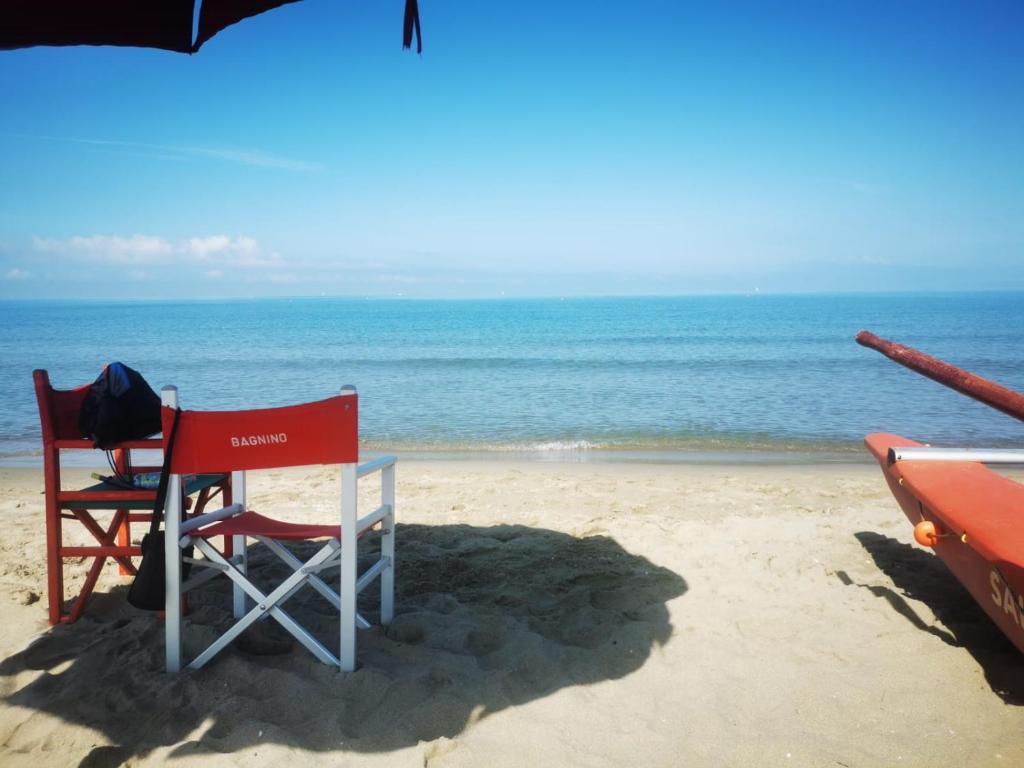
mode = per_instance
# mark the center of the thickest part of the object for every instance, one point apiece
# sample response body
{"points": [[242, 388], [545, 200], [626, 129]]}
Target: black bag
{"points": [[148, 588], [119, 406]]}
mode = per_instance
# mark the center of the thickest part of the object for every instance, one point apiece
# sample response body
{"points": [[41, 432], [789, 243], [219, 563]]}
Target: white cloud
{"points": [[17, 274], [204, 246], [109, 249], [239, 251], [231, 252], [214, 252]]}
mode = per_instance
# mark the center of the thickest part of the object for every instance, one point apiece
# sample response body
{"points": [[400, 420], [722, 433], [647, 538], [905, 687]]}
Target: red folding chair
{"points": [[323, 432], [58, 418]]}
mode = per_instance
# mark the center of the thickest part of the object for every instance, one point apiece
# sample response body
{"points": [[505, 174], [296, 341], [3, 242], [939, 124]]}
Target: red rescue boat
{"points": [[970, 515]]}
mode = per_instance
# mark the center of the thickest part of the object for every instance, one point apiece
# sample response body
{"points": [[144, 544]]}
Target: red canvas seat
{"points": [[323, 432], [256, 525], [58, 419]]}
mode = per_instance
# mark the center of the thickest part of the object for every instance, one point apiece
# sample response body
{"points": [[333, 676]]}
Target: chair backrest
{"points": [[58, 410], [322, 432]]}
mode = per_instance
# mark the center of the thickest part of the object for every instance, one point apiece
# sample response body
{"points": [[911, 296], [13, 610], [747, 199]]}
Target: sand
{"points": [[595, 614]]}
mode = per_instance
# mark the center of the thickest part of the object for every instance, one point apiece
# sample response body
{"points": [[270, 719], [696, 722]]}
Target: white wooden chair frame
{"points": [[341, 554]]}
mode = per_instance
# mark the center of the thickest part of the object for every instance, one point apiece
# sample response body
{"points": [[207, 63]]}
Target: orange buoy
{"points": [[925, 534]]}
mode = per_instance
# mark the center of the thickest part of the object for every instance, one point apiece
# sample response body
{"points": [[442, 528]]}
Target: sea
{"points": [[688, 378]]}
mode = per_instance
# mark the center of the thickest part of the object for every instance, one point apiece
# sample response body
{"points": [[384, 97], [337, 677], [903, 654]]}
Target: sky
{"points": [[533, 149]]}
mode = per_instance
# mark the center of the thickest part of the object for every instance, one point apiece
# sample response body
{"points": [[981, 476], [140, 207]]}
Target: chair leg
{"points": [[124, 539], [172, 603], [54, 561], [347, 591], [238, 546], [387, 546], [121, 460], [86, 592]]}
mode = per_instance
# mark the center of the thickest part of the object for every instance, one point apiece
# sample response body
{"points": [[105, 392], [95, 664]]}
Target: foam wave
{"points": [[555, 446], [626, 444]]}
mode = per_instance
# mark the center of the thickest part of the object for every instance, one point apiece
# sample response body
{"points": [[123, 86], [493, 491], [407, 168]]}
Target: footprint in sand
{"points": [[483, 642], [407, 628]]}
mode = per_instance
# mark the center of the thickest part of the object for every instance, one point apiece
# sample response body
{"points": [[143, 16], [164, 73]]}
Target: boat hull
{"points": [[979, 516]]}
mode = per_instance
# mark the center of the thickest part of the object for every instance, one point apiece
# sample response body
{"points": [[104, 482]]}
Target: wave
{"points": [[552, 446], [634, 444], [20, 453]]}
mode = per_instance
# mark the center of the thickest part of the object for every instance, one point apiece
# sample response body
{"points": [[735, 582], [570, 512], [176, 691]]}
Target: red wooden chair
{"points": [[58, 418]]}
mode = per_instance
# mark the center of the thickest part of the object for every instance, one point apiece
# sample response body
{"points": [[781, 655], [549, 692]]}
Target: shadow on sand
{"points": [[922, 576], [488, 618]]}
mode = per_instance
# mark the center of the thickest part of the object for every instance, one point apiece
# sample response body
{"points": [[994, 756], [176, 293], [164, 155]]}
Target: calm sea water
{"points": [[549, 377]]}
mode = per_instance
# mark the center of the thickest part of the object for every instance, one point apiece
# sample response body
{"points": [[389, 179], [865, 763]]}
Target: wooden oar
{"points": [[988, 392]]}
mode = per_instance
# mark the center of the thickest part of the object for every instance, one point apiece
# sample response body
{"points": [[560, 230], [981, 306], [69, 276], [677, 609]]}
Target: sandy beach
{"points": [[594, 614], [623, 285]]}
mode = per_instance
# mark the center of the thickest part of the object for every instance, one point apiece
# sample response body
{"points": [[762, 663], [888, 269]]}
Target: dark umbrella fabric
{"points": [[150, 23], [163, 24]]}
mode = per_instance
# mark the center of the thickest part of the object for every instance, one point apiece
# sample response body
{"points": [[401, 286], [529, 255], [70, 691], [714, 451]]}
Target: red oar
{"points": [[988, 392]]}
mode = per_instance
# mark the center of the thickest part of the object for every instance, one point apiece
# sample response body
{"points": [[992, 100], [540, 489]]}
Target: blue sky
{"points": [[534, 149]]}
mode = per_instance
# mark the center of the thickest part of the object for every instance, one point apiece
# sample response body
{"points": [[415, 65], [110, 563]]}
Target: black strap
{"points": [[412, 24], [165, 476]]}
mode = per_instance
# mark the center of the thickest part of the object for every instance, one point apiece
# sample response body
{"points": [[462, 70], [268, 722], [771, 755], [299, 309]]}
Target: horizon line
{"points": [[523, 297]]}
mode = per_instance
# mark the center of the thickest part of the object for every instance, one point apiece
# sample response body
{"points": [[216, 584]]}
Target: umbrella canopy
{"points": [[163, 24]]}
